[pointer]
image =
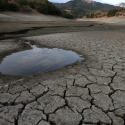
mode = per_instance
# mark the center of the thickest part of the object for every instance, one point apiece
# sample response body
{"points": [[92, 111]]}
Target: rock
{"points": [[92, 116], [65, 116]]}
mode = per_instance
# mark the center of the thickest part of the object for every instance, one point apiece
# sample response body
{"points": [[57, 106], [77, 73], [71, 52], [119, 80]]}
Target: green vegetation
{"points": [[42, 6], [87, 15], [32, 4], [90, 15], [102, 13], [80, 7], [112, 12], [4, 5], [22, 2], [66, 15], [48, 8]]}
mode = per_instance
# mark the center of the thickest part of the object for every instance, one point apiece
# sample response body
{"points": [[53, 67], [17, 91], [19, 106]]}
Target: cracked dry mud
{"points": [[90, 93]]}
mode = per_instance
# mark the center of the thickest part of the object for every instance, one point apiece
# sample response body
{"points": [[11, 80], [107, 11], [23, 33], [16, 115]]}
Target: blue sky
{"points": [[114, 2]]}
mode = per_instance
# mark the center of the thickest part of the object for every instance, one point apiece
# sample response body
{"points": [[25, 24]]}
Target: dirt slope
{"points": [[117, 20], [12, 16]]}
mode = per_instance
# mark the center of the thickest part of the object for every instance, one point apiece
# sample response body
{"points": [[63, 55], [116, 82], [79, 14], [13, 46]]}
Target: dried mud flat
{"points": [[90, 93]]}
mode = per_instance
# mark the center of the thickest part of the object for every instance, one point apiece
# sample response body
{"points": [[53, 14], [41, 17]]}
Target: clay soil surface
{"points": [[88, 93]]}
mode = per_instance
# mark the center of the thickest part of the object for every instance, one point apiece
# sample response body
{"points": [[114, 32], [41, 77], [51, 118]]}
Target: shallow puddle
{"points": [[37, 60]]}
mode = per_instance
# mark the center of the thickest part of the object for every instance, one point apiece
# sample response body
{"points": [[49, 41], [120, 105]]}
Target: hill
{"points": [[33, 16], [42, 6], [81, 7]]}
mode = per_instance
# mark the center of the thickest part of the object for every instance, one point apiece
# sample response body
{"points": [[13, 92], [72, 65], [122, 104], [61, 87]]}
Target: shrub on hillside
{"points": [[12, 7], [32, 4], [46, 7], [4, 5], [88, 15], [67, 15], [42, 6], [92, 15], [22, 2], [49, 8], [112, 12]]}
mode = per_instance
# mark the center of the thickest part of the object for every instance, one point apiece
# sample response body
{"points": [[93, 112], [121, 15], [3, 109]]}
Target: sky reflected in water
{"points": [[37, 60]]}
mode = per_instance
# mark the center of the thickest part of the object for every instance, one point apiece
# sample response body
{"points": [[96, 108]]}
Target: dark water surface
{"points": [[37, 60]]}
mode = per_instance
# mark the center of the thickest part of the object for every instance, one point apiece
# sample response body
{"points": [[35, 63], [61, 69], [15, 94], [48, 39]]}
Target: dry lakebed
{"points": [[86, 92]]}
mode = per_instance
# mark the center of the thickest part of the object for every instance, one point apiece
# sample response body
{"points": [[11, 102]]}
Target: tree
{"points": [[122, 5], [112, 12]]}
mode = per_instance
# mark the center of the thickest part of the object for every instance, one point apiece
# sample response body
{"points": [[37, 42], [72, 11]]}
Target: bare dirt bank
{"points": [[116, 20], [14, 16]]}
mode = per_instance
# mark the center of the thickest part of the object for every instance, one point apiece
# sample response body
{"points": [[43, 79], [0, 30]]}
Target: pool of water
{"points": [[37, 60]]}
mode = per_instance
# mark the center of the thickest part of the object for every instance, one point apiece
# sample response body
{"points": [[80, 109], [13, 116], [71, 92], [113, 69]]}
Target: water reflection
{"points": [[37, 60]]}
